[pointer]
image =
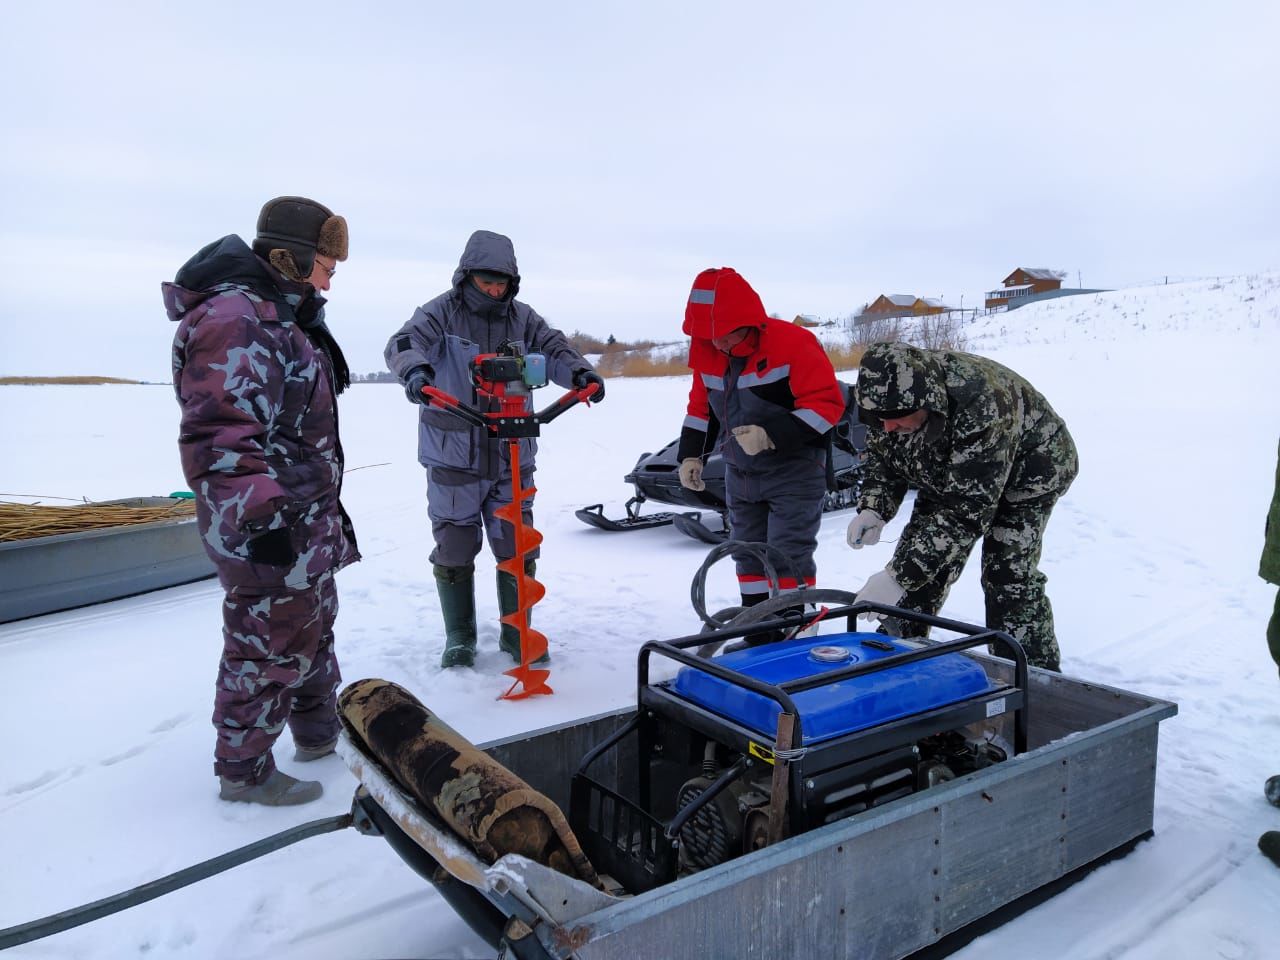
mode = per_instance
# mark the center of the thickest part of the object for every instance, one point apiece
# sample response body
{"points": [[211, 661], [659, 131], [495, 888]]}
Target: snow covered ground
{"points": [[105, 745]]}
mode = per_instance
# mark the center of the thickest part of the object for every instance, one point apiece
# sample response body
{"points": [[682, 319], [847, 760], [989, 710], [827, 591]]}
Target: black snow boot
{"points": [[508, 602], [457, 589], [1269, 844], [764, 636], [1272, 789]]}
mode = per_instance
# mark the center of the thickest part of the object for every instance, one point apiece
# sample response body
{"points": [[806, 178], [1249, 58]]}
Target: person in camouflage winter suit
{"points": [[1269, 570], [257, 374], [468, 469], [988, 458]]}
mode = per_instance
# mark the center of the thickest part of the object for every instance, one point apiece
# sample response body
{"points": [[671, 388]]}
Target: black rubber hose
{"points": [[774, 605], [67, 919]]}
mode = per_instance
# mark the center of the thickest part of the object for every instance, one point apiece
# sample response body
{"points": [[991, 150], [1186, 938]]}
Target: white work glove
{"points": [[691, 473], [752, 439], [864, 529], [881, 588]]}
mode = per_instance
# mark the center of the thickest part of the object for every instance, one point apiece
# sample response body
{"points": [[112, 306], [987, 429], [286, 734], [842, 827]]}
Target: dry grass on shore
{"points": [[77, 381]]}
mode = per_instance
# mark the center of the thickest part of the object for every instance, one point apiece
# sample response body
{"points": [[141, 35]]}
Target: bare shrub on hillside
{"points": [[865, 331], [643, 365], [75, 381], [933, 332], [586, 343], [846, 358], [940, 332]]}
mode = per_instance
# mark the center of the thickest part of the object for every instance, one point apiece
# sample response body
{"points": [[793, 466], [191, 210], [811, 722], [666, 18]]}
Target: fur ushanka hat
{"points": [[292, 230]]}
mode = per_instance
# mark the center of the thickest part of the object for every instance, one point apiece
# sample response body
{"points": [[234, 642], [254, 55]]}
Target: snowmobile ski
{"points": [[594, 516], [692, 525]]}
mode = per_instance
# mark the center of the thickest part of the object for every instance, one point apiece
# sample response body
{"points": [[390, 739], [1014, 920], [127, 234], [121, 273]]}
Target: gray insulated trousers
{"points": [[461, 506], [782, 508]]}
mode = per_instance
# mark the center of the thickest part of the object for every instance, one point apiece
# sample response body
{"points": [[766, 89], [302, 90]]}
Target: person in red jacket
{"points": [[765, 395]]}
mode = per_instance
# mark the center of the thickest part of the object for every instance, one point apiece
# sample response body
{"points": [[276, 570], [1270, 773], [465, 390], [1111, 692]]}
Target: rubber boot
{"points": [[508, 601], [764, 636], [278, 790], [1269, 844], [457, 589]]}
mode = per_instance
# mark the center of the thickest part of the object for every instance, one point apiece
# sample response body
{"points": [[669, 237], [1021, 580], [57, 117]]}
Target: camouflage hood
{"points": [[895, 377], [227, 263], [489, 251]]}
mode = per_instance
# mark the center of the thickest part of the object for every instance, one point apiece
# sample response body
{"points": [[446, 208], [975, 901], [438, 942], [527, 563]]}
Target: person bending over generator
{"points": [[988, 457]]}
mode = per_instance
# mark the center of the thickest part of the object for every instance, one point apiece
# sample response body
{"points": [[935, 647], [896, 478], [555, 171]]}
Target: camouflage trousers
{"points": [[1273, 631], [278, 666], [1012, 584]]}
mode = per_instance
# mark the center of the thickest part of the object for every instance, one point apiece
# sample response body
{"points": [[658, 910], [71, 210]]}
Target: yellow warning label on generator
{"points": [[760, 751]]}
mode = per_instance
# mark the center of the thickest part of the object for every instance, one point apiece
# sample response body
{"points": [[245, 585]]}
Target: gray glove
{"points": [[864, 529], [752, 439], [419, 377], [881, 588], [691, 474]]}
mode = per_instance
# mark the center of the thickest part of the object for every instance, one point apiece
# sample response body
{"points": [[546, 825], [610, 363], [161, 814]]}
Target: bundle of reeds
{"points": [[23, 521]]}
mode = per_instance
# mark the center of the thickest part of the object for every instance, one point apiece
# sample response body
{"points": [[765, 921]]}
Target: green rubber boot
{"points": [[508, 601], [457, 589]]}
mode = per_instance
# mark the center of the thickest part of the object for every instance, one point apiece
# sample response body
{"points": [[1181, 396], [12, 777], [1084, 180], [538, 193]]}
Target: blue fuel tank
{"points": [[838, 708]]}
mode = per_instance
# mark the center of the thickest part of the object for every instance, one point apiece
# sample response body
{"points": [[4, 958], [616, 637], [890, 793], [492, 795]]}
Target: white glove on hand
{"points": [[881, 588], [752, 439], [691, 474], [864, 529]]}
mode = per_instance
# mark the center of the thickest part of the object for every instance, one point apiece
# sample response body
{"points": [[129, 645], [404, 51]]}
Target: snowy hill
{"points": [[1170, 392], [1209, 308]]}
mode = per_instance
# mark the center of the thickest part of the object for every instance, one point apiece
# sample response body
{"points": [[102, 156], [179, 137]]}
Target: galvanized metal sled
{"points": [[896, 800], [67, 570]]}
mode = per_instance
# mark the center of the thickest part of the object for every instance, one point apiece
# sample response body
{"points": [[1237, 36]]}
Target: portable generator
{"points": [[742, 750]]}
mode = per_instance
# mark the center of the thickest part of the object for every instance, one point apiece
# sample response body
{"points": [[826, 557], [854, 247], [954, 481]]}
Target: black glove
{"points": [[419, 377], [273, 548], [583, 378]]}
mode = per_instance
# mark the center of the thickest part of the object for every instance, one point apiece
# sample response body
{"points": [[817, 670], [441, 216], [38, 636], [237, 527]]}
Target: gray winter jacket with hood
{"points": [[446, 333]]}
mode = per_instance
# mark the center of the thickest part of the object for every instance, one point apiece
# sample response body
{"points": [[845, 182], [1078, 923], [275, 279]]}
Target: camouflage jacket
{"points": [[259, 429], [1269, 567], [445, 334], [990, 436]]}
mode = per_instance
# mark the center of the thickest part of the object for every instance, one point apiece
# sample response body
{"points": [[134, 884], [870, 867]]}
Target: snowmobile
{"points": [[656, 476]]}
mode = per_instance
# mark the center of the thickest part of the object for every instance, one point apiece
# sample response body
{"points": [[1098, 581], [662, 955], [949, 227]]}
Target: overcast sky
{"points": [[830, 152]]}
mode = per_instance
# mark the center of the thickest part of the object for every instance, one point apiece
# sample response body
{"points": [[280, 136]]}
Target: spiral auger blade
{"points": [[531, 680]]}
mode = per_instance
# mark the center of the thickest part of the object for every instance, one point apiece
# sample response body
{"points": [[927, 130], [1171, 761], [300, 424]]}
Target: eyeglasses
{"points": [[329, 271]]}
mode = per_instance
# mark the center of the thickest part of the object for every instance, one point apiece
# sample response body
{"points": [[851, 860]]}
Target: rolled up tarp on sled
{"points": [[484, 804]]}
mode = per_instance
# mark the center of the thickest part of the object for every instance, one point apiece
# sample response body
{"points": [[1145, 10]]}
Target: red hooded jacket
{"points": [[778, 377]]}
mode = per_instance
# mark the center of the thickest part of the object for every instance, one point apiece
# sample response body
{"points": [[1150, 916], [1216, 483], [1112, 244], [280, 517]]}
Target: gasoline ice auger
{"points": [[506, 379]]}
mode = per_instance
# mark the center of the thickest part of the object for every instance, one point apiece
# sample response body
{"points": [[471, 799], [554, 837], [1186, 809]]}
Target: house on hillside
{"points": [[806, 320], [929, 306], [901, 305], [1024, 282], [890, 305]]}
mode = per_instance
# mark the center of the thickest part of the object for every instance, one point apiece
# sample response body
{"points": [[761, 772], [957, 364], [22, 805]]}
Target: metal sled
{"points": [[902, 872]]}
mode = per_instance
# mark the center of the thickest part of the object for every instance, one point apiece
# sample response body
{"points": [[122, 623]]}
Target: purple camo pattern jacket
{"points": [[259, 434]]}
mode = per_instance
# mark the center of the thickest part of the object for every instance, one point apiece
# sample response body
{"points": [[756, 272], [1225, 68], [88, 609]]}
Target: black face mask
{"points": [[480, 303]]}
